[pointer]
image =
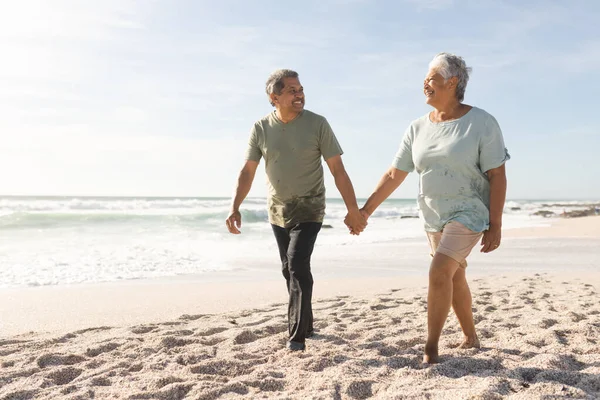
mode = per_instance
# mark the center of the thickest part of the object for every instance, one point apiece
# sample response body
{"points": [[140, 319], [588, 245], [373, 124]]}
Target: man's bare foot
{"points": [[431, 355], [470, 343]]}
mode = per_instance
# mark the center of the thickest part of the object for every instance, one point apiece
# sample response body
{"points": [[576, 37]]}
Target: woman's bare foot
{"points": [[431, 355], [470, 343]]}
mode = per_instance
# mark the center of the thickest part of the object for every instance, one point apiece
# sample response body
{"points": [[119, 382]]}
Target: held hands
{"points": [[356, 221], [491, 238], [234, 222]]}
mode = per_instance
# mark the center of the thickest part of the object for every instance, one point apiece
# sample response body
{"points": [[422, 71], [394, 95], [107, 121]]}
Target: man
{"points": [[292, 141]]}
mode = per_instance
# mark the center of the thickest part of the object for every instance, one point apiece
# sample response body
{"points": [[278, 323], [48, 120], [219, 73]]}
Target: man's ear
{"points": [[273, 98]]}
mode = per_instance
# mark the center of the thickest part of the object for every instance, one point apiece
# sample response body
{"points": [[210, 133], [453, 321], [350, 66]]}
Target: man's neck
{"points": [[286, 116]]}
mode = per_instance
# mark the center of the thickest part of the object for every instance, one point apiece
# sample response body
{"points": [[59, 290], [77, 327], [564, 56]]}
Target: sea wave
{"points": [[17, 220], [107, 204]]}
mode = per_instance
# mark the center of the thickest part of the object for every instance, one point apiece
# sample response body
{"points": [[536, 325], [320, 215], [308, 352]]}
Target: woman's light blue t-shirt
{"points": [[451, 158]]}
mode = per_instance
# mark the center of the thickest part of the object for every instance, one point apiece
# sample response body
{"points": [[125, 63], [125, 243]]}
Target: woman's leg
{"points": [[439, 300], [462, 305]]}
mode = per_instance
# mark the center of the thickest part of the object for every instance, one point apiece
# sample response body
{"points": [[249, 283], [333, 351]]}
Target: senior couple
{"points": [[457, 150]]}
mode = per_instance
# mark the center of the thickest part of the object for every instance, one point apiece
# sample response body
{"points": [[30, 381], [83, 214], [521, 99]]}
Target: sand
{"points": [[540, 334]]}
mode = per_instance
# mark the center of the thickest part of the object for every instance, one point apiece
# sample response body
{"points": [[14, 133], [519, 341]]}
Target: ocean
{"points": [[69, 240]]}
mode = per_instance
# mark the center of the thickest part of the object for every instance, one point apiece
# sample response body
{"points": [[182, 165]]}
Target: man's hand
{"points": [[234, 222], [356, 222], [491, 238], [365, 215]]}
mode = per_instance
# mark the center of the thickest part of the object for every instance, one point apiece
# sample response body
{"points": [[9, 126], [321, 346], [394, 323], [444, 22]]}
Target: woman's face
{"points": [[438, 91]]}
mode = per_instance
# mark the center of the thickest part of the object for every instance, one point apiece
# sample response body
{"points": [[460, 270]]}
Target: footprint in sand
{"points": [[385, 299], [539, 343], [176, 391], [547, 323], [105, 348], [98, 329], [211, 331], [139, 330], [58, 359], [275, 329], [245, 337], [4, 353], [267, 385], [184, 332], [101, 381], [7, 342], [388, 351], [226, 368], [575, 317], [360, 389], [170, 342], [21, 395], [561, 337], [171, 323], [188, 317], [64, 375], [258, 322], [330, 306], [351, 336], [162, 382], [237, 388], [136, 368], [189, 359], [64, 339], [211, 341], [378, 307], [248, 356]]}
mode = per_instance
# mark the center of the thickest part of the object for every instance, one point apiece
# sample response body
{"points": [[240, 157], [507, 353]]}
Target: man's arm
{"points": [[492, 237], [244, 183], [388, 183], [342, 181]]}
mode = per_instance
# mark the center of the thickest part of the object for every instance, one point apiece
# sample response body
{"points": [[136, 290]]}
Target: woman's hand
{"points": [[491, 238]]}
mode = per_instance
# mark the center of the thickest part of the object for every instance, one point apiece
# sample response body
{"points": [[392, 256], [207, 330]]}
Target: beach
{"points": [[222, 335]]}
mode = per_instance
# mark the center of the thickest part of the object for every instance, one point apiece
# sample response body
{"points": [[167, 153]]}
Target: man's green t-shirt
{"points": [[292, 154]]}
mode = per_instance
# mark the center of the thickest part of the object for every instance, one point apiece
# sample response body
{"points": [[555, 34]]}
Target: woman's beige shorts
{"points": [[455, 240]]}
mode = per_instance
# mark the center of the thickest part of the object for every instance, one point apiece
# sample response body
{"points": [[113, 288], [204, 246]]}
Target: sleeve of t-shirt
{"points": [[492, 152], [328, 143], [253, 152], [404, 157]]}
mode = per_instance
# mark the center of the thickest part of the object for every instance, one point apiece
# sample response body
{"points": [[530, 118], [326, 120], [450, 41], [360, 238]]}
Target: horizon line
{"points": [[260, 197]]}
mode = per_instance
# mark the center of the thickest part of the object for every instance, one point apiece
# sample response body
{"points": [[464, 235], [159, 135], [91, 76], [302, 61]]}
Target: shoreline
{"points": [[382, 267]]}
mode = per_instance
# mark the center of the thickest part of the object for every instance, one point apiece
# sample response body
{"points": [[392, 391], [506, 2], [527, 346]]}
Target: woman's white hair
{"points": [[449, 65]]}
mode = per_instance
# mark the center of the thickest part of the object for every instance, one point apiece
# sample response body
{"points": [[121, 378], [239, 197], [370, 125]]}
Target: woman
{"points": [[458, 151]]}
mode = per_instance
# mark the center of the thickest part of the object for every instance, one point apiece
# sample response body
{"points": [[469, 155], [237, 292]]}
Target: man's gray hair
{"points": [[275, 81], [449, 65]]}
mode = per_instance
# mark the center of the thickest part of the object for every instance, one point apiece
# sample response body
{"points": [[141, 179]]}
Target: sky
{"points": [[157, 98]]}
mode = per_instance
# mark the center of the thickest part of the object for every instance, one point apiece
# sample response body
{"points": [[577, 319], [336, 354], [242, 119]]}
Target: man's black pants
{"points": [[296, 245]]}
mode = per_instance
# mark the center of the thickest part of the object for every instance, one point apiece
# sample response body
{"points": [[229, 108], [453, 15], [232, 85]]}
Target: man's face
{"points": [[291, 97]]}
